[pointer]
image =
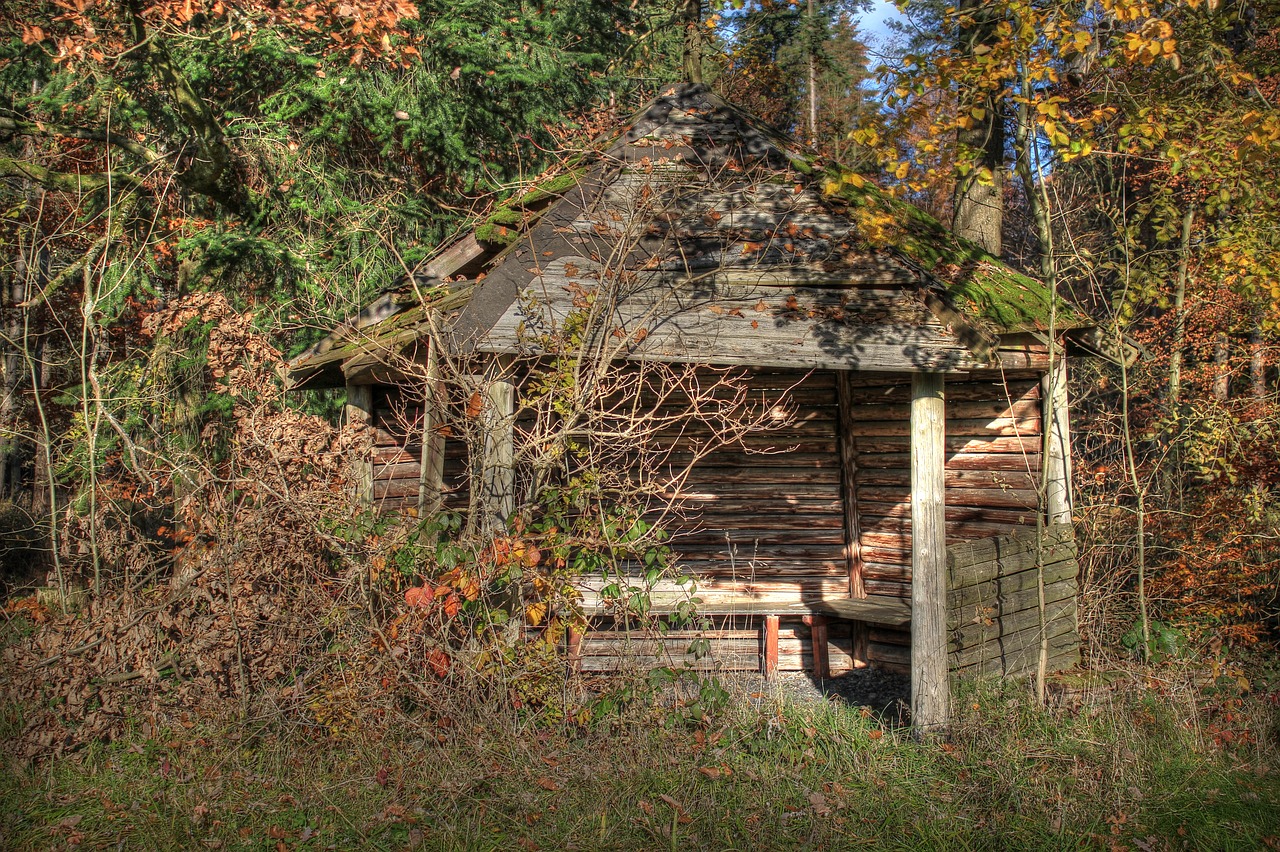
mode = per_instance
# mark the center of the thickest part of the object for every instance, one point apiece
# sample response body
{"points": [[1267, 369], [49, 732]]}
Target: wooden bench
{"points": [[873, 609]]}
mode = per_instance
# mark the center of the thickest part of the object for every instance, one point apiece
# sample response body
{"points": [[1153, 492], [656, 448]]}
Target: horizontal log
{"points": [[973, 497], [791, 535], [1019, 480], [770, 492], [889, 635], [889, 588], [954, 443], [1009, 624], [873, 514], [1024, 426], [635, 662], [1057, 563], [1006, 547], [957, 391], [1023, 563], [696, 503], [889, 536], [745, 475], [887, 571], [888, 655], [1016, 654], [734, 458], [962, 410], [711, 520], [1028, 464], [964, 608]]}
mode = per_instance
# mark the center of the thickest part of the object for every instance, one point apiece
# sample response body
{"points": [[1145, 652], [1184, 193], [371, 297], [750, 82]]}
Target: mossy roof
{"points": [[976, 284], [977, 289]]}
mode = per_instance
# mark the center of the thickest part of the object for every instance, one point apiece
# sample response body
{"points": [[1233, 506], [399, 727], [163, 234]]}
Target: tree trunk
{"points": [[691, 17], [1221, 368], [978, 201], [1179, 308]]}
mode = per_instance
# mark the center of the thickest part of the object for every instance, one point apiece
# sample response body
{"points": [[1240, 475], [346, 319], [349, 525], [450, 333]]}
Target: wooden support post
{"points": [[848, 485], [930, 692], [771, 645], [573, 647], [821, 653], [1057, 471], [359, 409], [498, 480], [861, 642], [431, 463]]}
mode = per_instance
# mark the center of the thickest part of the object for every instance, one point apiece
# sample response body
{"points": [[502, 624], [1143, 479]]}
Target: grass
{"points": [[1131, 767]]}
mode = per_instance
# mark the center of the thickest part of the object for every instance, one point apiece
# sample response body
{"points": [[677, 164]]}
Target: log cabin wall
{"points": [[764, 518], [993, 447], [397, 455]]}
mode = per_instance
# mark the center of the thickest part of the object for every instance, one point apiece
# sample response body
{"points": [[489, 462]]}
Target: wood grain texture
{"points": [[930, 692]]}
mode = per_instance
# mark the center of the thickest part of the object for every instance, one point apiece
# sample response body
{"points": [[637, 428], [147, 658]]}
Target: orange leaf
{"points": [[439, 662]]}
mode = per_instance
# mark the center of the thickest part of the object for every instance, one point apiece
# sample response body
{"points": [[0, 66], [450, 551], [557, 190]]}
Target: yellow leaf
{"points": [[535, 612], [902, 170]]}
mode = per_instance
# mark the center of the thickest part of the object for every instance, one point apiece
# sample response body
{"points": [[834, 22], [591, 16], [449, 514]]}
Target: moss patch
{"points": [[502, 226], [975, 283]]}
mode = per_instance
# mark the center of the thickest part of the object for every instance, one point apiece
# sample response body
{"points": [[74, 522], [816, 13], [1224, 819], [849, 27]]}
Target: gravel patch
{"points": [[886, 694]]}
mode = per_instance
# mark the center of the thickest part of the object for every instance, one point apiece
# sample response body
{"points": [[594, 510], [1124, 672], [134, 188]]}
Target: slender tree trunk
{"points": [[1257, 365], [979, 201], [1179, 307], [691, 16], [1221, 368], [813, 75], [1024, 140]]}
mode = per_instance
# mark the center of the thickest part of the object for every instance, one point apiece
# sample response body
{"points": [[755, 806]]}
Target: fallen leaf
{"points": [[547, 783]]}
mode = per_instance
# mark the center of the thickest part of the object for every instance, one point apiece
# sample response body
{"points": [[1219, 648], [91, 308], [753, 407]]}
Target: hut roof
{"points": [[698, 234]]}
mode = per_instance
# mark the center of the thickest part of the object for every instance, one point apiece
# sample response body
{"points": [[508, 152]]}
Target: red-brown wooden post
{"points": [[771, 645]]}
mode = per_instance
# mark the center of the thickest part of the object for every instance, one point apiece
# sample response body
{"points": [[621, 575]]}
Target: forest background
{"points": [[192, 192]]}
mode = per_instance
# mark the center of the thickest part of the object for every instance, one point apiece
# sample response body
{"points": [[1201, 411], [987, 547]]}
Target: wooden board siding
{"points": [[993, 448], [397, 459], [735, 642], [763, 518], [992, 466]]}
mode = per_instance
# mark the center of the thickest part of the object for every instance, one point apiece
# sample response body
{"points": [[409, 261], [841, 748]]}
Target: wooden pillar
{"points": [[498, 480], [1057, 459], [848, 485], [818, 638], [431, 463], [930, 694], [359, 409], [771, 645]]}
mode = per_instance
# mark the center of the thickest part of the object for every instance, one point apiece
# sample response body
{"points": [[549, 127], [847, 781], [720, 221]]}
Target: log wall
{"points": [[397, 455], [993, 447]]}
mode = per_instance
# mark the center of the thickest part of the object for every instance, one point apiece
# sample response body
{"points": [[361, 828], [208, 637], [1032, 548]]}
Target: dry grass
{"points": [[1149, 760]]}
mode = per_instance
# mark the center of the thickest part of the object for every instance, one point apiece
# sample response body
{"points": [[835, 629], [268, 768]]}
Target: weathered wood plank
{"points": [[930, 695], [1005, 547], [953, 479]]}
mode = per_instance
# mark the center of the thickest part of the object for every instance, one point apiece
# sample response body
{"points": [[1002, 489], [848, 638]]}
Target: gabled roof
{"points": [[697, 234]]}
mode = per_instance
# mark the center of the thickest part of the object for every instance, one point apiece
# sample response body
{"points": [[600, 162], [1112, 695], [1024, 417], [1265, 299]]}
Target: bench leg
{"points": [[860, 642], [771, 645], [573, 646], [821, 653]]}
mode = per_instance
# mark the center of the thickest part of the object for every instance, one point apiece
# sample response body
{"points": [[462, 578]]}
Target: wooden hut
{"points": [[923, 479]]}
